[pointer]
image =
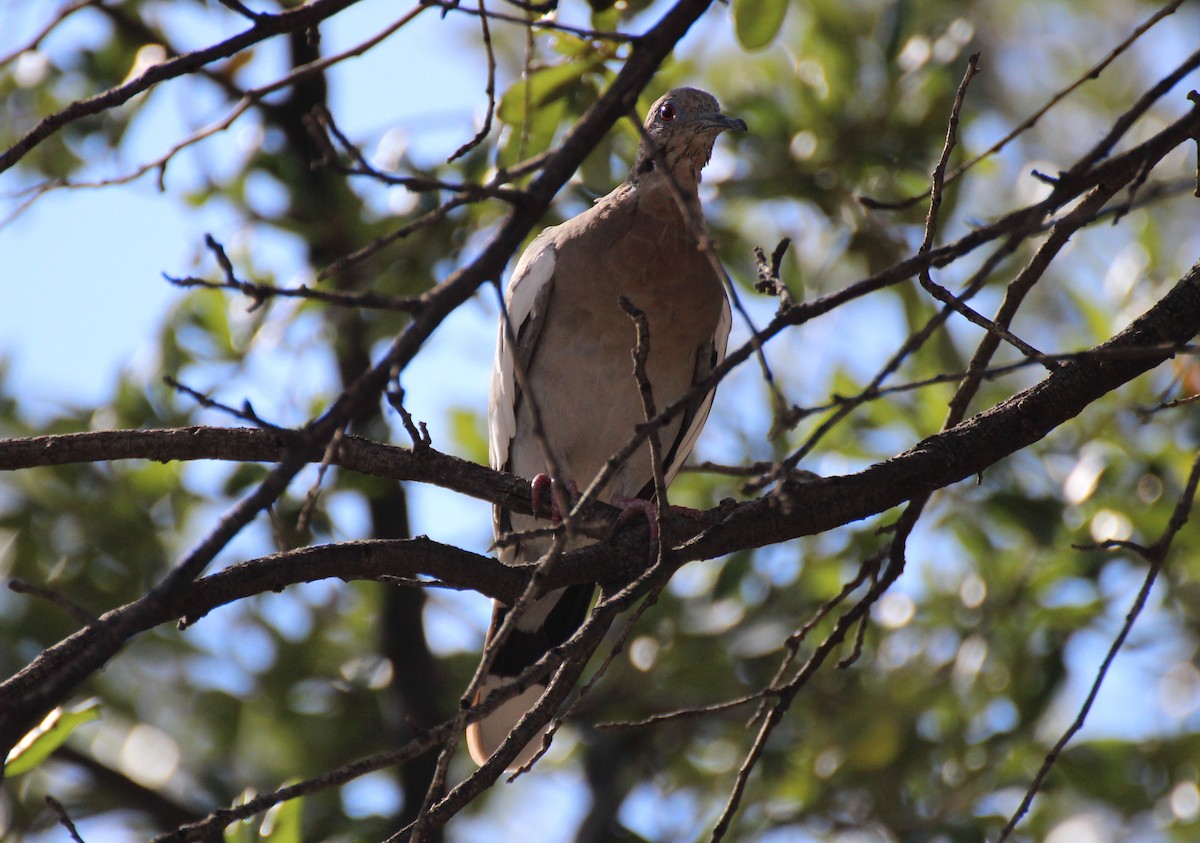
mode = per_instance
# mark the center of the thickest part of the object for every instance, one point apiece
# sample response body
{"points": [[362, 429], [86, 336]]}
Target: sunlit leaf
{"points": [[282, 823], [242, 831], [543, 86], [50, 734]]}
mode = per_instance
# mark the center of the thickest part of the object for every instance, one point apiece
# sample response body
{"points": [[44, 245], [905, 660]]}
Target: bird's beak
{"points": [[723, 122]]}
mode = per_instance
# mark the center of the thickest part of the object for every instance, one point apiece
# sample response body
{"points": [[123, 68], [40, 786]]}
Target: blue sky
{"points": [[82, 270]]}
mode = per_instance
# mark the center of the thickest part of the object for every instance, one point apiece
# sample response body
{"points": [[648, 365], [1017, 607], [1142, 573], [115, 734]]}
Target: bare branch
{"points": [[536, 23], [50, 25], [322, 122], [1029, 122], [490, 90], [81, 615], [64, 819], [265, 26], [1104, 180], [959, 452], [250, 98], [54, 673], [1155, 555], [640, 354]]}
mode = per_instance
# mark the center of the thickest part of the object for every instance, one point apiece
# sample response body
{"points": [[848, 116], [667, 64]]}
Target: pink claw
{"points": [[632, 507], [541, 488]]}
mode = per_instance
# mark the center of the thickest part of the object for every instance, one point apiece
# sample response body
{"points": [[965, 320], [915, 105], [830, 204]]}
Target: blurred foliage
{"points": [[970, 668]]}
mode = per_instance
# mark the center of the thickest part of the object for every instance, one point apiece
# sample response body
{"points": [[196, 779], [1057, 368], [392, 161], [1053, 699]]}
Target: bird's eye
{"points": [[667, 112]]}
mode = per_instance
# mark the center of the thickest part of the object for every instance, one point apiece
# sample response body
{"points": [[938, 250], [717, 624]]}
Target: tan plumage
{"points": [[574, 344]]}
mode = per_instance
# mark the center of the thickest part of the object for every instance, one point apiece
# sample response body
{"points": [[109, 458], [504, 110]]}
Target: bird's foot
{"points": [[633, 507], [542, 489]]}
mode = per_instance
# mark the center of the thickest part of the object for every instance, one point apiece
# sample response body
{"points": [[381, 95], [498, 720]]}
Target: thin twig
{"points": [[855, 653], [1029, 122], [684, 713], [322, 127], [616, 649], [1155, 555], [260, 293], [768, 282], [64, 818], [252, 97], [52, 24], [418, 433], [241, 9], [931, 225], [526, 87], [963, 309], [868, 569], [859, 612], [245, 413], [531, 23], [314, 491], [640, 354], [375, 246], [490, 90], [80, 614], [1146, 412]]}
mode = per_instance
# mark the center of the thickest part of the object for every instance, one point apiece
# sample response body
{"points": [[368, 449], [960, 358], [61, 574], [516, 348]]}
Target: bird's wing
{"points": [[537, 631], [708, 357], [526, 303]]}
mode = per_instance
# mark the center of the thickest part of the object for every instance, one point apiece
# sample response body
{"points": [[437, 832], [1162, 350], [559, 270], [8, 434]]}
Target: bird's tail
{"points": [[547, 623]]}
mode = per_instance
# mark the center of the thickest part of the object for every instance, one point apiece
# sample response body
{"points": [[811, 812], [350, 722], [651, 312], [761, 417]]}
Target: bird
{"points": [[563, 327]]}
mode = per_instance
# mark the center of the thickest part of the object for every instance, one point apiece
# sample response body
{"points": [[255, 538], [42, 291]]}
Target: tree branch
{"points": [[265, 26], [813, 507], [25, 697]]}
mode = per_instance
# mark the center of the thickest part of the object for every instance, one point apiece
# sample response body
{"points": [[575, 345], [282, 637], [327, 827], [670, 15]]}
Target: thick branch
{"points": [[239, 444], [939, 461], [25, 697], [813, 507]]}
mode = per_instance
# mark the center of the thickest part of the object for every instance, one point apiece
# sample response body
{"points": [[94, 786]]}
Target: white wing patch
{"points": [[529, 279]]}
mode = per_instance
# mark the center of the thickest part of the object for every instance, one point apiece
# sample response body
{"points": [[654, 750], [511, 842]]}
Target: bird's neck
{"points": [[648, 172], [667, 203]]}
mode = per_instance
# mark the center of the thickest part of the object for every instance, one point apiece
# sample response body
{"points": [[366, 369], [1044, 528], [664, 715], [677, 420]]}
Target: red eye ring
{"points": [[667, 112]]}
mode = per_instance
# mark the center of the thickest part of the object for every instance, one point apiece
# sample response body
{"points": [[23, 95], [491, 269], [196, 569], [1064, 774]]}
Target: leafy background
{"points": [[973, 664]]}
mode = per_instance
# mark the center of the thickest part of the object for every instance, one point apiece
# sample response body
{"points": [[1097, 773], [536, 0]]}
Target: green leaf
{"points": [[757, 22], [34, 748], [469, 430], [538, 137], [281, 824], [241, 831], [545, 85]]}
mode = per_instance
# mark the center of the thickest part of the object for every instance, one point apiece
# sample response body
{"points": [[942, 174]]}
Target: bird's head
{"points": [[683, 124]]}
